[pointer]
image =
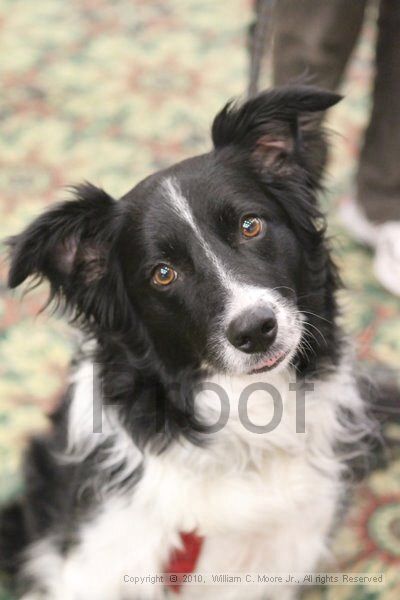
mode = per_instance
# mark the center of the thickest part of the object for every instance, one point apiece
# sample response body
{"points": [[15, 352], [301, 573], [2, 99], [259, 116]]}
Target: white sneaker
{"points": [[387, 256], [356, 223], [384, 239]]}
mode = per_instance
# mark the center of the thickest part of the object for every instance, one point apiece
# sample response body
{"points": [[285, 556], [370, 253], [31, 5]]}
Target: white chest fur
{"points": [[244, 477], [263, 501]]}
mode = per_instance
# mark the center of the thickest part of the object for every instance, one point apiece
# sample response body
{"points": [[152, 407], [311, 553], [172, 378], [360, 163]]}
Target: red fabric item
{"points": [[185, 560]]}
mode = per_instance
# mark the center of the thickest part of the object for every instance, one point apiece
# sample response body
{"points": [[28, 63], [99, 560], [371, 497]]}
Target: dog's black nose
{"points": [[253, 330]]}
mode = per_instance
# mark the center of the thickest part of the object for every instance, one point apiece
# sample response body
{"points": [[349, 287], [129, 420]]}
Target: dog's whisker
{"points": [[308, 312], [307, 323]]}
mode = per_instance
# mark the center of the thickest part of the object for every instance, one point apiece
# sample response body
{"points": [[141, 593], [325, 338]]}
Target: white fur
{"points": [[88, 411], [263, 502]]}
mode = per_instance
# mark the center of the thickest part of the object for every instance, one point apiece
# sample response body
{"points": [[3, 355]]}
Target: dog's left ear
{"points": [[269, 126]]}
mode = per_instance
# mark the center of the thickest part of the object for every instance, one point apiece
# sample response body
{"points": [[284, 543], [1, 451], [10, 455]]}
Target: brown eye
{"points": [[164, 275], [251, 226]]}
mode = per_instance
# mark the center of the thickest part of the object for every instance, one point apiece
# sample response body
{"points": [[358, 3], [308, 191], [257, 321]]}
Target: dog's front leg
{"points": [[116, 556]]}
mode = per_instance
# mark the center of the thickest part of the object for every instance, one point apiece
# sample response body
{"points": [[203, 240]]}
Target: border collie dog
{"points": [[214, 392]]}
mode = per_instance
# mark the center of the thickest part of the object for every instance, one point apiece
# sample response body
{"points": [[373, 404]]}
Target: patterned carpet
{"points": [[108, 91]]}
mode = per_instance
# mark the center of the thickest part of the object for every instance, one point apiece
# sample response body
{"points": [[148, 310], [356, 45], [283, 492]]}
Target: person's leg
{"points": [[377, 209], [314, 39], [379, 169]]}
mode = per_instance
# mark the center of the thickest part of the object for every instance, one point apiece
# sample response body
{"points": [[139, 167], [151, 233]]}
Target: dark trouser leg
{"points": [[379, 170], [314, 39]]}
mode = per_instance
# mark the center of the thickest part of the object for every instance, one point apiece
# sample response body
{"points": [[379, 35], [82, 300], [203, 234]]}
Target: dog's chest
{"points": [[240, 486], [244, 476]]}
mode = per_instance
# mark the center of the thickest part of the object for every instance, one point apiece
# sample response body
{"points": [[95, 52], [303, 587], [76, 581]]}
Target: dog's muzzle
{"points": [[253, 330]]}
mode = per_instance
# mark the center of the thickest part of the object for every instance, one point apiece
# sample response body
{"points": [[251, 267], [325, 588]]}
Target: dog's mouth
{"points": [[266, 364]]}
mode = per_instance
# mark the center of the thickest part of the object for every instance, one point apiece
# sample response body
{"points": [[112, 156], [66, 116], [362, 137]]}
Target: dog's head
{"points": [[218, 261]]}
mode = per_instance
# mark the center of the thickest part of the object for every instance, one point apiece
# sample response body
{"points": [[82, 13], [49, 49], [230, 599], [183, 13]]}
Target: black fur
{"points": [[98, 255]]}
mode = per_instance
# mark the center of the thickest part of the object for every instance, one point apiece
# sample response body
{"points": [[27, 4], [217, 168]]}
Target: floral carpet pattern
{"points": [[108, 91]]}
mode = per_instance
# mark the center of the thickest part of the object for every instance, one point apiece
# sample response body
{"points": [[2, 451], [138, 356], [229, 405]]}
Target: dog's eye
{"points": [[251, 226], [164, 275]]}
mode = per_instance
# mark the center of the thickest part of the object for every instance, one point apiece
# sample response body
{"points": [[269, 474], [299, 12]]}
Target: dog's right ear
{"points": [[71, 245], [68, 237]]}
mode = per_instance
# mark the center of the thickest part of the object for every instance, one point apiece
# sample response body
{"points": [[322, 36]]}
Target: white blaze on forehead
{"points": [[179, 204]]}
